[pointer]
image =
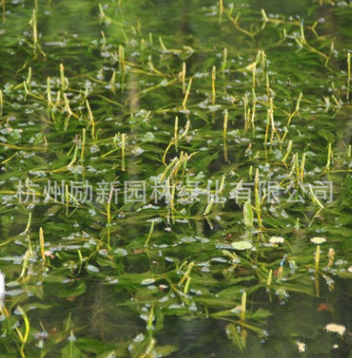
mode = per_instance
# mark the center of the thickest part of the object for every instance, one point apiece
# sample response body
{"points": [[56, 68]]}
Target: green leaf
{"points": [[138, 346], [260, 313], [72, 289], [165, 350], [90, 346], [248, 214], [71, 351], [232, 334], [327, 135]]}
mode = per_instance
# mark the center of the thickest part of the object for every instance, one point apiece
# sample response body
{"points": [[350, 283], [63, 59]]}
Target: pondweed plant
{"points": [[226, 125]]}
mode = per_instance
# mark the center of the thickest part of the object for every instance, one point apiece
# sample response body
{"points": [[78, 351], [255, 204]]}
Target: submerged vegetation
{"points": [[175, 179]]}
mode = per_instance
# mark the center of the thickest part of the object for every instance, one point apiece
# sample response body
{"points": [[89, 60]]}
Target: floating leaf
{"points": [[92, 268], [276, 240], [121, 252], [148, 281], [301, 346], [148, 137], [318, 240], [337, 328], [242, 245]]}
